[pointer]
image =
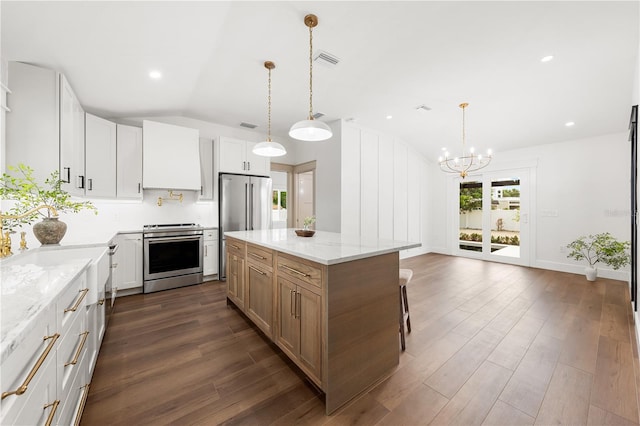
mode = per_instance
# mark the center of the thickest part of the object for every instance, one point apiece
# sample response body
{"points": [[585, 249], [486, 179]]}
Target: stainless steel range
{"points": [[172, 256]]}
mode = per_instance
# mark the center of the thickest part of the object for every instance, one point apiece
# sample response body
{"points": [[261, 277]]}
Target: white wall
{"points": [[328, 177], [383, 188], [586, 181]]}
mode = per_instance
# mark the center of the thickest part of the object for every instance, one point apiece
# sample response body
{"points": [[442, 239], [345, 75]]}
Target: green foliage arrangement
{"points": [[497, 239], [28, 194], [308, 221], [601, 248]]}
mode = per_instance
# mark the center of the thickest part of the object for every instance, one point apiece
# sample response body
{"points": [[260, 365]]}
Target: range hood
{"points": [[170, 157]]}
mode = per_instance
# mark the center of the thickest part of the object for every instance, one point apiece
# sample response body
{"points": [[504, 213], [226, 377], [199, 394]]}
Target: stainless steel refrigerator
{"points": [[245, 204]]}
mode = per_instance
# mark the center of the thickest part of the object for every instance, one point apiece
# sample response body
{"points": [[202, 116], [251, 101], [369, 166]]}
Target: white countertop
{"points": [[26, 289], [327, 248]]}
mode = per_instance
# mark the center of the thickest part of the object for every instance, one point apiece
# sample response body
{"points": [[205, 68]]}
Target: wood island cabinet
{"points": [[235, 271], [337, 321]]}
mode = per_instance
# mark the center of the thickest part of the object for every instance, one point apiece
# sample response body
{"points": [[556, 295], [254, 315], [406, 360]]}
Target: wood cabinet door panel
{"points": [[260, 297], [309, 315], [235, 279], [288, 328]]}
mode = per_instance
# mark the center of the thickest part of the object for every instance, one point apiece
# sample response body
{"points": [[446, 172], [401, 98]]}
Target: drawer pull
{"points": [[83, 402], [23, 388], [52, 414], [80, 299], [79, 351], [257, 270], [234, 246], [257, 256], [295, 271]]}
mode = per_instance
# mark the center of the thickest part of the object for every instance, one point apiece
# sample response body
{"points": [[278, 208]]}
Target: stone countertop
{"points": [[327, 248], [26, 290]]}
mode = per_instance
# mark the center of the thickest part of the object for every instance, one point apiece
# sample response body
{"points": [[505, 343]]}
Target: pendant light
{"points": [[269, 148], [310, 129]]}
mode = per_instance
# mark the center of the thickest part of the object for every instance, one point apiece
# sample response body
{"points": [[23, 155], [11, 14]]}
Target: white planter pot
{"points": [[591, 273]]}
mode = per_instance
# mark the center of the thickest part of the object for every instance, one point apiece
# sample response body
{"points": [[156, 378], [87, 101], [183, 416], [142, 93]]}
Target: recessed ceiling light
{"points": [[546, 58], [389, 117], [569, 123], [155, 74]]}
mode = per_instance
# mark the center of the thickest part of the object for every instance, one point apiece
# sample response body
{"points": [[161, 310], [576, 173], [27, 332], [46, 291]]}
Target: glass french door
{"points": [[493, 216]]}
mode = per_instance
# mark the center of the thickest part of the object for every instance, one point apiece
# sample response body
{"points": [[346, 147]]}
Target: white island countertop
{"points": [[327, 248]]}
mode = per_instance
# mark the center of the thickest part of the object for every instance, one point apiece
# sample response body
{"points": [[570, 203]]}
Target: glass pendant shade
{"points": [[310, 130], [269, 149]]}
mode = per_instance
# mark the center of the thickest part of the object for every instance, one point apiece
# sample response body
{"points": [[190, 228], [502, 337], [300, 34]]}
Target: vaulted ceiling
{"points": [[394, 56]]}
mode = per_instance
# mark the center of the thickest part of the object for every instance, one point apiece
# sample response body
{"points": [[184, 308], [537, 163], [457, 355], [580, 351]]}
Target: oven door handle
{"points": [[153, 240]]}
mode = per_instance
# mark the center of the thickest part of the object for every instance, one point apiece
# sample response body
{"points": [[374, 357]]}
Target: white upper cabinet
{"points": [[257, 165], [170, 157], [369, 184], [71, 140], [350, 194], [400, 192], [129, 162], [206, 169], [385, 187], [100, 150], [32, 126], [236, 156]]}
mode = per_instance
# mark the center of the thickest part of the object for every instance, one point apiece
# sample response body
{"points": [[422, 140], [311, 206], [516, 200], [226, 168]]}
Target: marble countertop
{"points": [[26, 290], [327, 248]]}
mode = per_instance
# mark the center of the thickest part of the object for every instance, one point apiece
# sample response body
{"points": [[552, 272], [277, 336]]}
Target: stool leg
{"points": [[406, 306], [401, 322]]}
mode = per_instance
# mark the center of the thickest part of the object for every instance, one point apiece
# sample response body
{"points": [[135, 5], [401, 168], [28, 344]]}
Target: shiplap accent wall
{"points": [[383, 187]]}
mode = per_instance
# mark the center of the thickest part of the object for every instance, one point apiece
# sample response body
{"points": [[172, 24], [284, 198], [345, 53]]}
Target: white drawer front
{"points": [[71, 303], [25, 365]]}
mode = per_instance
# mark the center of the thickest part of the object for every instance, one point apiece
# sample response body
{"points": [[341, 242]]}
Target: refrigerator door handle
{"points": [[251, 205], [246, 210]]}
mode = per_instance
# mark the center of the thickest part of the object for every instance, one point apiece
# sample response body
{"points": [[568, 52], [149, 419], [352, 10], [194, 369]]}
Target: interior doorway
{"points": [[304, 178]]}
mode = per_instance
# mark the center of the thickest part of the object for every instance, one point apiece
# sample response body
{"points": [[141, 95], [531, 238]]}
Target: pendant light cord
{"points": [[310, 73], [269, 109]]}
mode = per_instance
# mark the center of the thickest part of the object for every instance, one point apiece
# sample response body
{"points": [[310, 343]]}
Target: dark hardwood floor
{"points": [[491, 344]]}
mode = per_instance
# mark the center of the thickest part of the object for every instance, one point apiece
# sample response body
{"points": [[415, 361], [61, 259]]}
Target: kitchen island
{"points": [[330, 302]]}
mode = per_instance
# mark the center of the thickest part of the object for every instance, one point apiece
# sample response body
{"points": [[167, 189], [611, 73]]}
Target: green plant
{"points": [[600, 248], [22, 187], [308, 221]]}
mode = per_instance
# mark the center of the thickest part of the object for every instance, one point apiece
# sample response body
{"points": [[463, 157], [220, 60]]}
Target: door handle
{"points": [[80, 183], [90, 183], [68, 173]]}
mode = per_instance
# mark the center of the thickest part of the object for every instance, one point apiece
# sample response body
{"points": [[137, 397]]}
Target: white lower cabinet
{"points": [[210, 259], [45, 378], [127, 262]]}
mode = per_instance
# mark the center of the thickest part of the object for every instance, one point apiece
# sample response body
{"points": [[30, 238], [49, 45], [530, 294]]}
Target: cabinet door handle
{"points": [[79, 350], [244, 165], [139, 187], [298, 304], [257, 256], [257, 270], [201, 190], [68, 173], [295, 271], [90, 182], [23, 387], [52, 414], [80, 299], [80, 183], [248, 165], [293, 302]]}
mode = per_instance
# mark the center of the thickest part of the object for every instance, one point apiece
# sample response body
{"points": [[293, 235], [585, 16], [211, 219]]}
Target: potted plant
{"points": [[34, 200], [600, 248], [305, 231]]}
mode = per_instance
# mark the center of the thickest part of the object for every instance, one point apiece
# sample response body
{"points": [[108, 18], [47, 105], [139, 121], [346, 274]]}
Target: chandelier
{"points": [[269, 148], [469, 161], [310, 129]]}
